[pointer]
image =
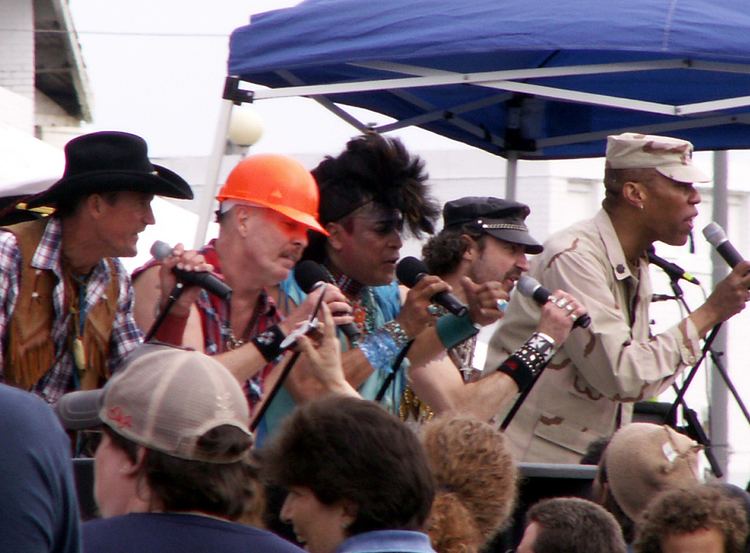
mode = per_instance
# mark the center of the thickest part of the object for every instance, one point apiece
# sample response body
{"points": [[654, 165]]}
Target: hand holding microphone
{"points": [[203, 279], [731, 294], [531, 288], [411, 270], [310, 276]]}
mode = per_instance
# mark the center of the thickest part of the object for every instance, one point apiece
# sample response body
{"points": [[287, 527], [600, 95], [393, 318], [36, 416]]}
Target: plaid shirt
{"points": [[61, 377], [214, 313]]}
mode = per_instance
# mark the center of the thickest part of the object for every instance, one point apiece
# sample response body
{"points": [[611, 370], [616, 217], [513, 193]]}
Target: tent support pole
{"points": [[205, 209], [718, 421], [511, 176]]}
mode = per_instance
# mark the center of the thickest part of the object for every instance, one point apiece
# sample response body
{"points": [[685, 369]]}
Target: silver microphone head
{"points": [[526, 285], [714, 234], [160, 250]]}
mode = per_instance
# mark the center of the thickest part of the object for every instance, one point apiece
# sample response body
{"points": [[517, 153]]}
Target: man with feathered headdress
{"points": [[369, 195]]}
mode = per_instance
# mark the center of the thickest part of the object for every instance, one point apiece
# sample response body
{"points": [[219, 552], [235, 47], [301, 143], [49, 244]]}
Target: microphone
{"points": [[674, 271], [530, 287], [206, 280], [411, 270], [719, 240], [309, 275]]}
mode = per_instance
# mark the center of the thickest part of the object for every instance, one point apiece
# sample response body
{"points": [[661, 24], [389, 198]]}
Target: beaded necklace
{"points": [[361, 296]]}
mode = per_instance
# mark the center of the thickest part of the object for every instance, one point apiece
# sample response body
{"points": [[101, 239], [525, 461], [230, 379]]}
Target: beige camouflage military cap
{"points": [[672, 157]]}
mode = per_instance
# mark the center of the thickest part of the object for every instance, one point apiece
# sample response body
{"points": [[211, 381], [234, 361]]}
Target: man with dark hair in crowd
{"points": [[695, 519], [358, 479], [484, 240], [600, 372], [570, 525], [173, 469], [370, 194], [65, 299]]}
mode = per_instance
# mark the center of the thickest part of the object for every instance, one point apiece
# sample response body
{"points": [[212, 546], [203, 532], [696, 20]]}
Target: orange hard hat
{"points": [[276, 182]]}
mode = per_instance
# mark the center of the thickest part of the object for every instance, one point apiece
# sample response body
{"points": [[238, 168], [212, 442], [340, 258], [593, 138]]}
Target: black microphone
{"points": [[719, 240], [674, 271], [411, 270], [309, 275], [205, 279], [530, 287]]}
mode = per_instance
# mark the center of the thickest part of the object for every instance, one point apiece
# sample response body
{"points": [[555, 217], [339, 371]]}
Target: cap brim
{"points": [[517, 237], [163, 182], [683, 173], [80, 410], [295, 214]]}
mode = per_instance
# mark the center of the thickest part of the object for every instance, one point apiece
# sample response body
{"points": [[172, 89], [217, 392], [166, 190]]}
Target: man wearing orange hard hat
{"points": [[266, 207]]}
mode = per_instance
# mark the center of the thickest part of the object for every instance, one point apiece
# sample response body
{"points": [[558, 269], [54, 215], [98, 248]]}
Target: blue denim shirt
{"points": [[387, 541]]}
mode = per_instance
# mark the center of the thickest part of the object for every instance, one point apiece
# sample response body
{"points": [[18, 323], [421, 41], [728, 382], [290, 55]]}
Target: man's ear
{"points": [[241, 220], [94, 205], [634, 193], [472, 248], [349, 513], [335, 234], [131, 469]]}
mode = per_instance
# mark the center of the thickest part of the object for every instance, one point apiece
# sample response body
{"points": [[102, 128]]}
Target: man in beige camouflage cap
{"points": [[589, 387], [641, 461]]}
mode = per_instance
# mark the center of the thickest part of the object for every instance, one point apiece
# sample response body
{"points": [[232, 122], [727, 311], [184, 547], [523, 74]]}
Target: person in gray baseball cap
{"points": [[484, 242], [173, 471], [601, 371]]}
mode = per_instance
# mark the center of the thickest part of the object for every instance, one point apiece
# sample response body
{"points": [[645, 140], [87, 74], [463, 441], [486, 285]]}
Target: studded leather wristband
{"points": [[269, 341], [528, 361]]}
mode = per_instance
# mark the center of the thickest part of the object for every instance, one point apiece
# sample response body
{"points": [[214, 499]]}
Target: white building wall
{"points": [[17, 47]]}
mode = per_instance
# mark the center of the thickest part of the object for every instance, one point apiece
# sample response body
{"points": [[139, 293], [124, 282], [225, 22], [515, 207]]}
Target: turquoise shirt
{"points": [[387, 308]]}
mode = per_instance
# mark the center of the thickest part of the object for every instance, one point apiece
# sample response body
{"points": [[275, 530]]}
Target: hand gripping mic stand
{"points": [[694, 428], [268, 399], [173, 296]]}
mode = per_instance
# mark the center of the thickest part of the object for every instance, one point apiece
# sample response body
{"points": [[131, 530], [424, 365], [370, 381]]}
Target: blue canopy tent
{"points": [[529, 79], [540, 78]]}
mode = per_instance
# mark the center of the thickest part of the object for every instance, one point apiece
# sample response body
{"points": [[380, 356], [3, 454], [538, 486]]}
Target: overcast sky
{"points": [[157, 69]]}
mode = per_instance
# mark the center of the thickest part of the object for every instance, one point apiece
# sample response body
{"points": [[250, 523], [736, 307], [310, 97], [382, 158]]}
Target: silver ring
{"points": [[562, 302], [569, 307], [574, 317], [502, 305]]}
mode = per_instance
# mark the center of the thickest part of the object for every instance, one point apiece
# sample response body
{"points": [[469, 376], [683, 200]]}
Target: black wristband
{"points": [[519, 371], [269, 341], [529, 360]]}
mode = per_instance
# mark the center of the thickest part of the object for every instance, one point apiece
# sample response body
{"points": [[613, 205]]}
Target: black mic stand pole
{"points": [[715, 356], [694, 428], [173, 296], [268, 399]]}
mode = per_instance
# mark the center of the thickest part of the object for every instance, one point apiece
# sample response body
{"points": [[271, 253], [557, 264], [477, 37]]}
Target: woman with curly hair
{"points": [[476, 483], [700, 518]]}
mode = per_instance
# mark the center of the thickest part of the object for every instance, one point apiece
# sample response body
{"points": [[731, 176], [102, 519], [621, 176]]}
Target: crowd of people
{"points": [[348, 416]]}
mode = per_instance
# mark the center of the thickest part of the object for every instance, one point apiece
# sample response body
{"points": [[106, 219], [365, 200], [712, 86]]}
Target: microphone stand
{"points": [[694, 428], [173, 296]]}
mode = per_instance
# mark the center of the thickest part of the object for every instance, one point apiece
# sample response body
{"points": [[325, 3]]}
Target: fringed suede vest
{"points": [[30, 351]]}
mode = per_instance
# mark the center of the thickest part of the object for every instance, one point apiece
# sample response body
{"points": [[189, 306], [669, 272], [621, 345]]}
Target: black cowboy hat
{"points": [[111, 161]]}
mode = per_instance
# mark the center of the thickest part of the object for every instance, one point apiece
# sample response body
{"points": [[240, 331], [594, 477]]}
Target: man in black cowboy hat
{"points": [[65, 300], [485, 240]]}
